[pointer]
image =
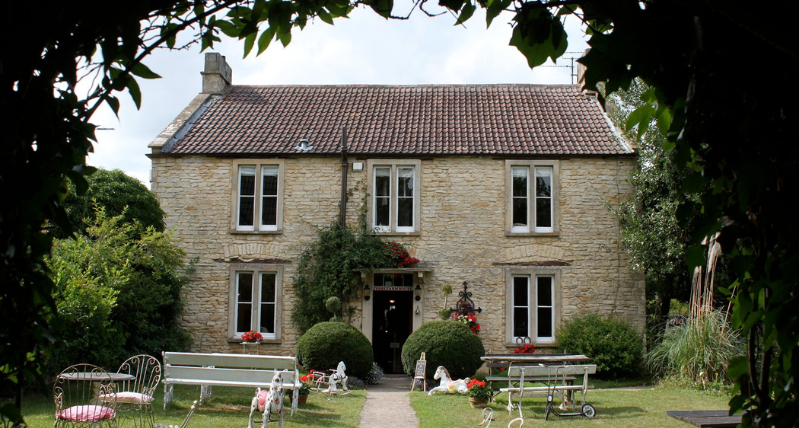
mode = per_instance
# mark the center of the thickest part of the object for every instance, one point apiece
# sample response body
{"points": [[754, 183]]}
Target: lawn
{"points": [[614, 407], [229, 407]]}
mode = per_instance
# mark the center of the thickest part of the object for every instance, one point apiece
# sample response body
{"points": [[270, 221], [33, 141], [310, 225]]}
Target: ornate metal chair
{"points": [[77, 392], [135, 397]]}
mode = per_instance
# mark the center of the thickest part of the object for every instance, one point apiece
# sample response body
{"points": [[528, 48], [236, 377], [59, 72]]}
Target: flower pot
{"points": [[477, 403], [302, 399]]}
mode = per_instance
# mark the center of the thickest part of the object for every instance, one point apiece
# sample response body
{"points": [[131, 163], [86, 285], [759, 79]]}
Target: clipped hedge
{"points": [[445, 343], [616, 347], [327, 343]]}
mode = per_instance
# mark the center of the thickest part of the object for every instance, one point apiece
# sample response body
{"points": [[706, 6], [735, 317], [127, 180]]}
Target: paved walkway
{"points": [[388, 404]]}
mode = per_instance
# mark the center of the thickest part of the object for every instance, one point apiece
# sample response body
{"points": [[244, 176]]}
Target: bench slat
{"points": [[547, 371], [267, 362], [248, 376]]}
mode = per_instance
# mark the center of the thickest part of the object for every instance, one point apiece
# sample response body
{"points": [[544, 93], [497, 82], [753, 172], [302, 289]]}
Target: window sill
{"points": [[263, 342], [416, 233], [255, 232], [528, 234]]}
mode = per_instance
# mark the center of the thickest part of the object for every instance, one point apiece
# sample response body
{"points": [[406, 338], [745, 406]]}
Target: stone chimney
{"points": [[217, 75]]}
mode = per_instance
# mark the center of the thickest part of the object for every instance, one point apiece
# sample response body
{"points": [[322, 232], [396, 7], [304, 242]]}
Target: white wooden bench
{"points": [[559, 380], [206, 370]]}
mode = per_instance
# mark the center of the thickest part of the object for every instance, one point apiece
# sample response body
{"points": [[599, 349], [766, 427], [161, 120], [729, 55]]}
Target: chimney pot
{"points": [[217, 75]]}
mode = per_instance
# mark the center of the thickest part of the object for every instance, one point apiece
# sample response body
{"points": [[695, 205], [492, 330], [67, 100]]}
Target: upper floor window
{"points": [[258, 202], [255, 302], [395, 194], [532, 197]]}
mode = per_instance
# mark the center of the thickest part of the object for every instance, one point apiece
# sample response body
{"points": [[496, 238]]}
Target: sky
{"points": [[364, 49]]}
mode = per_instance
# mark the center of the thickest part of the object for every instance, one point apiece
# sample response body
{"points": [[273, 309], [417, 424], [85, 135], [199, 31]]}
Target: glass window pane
{"points": [[543, 213], [269, 211], [544, 297], [245, 317], [520, 291], [405, 212], [267, 288], [247, 181], [519, 182], [382, 181], [544, 322], [246, 207], [269, 182], [382, 210], [520, 211], [520, 320], [245, 287], [267, 318], [543, 182], [405, 181]]}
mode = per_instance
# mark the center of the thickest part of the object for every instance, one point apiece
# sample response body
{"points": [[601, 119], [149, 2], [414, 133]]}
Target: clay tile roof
{"points": [[404, 120]]}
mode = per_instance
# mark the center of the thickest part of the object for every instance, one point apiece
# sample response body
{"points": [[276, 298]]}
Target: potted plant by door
{"points": [[478, 393]]}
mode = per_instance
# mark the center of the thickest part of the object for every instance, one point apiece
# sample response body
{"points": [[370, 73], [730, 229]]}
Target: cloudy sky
{"points": [[364, 49]]}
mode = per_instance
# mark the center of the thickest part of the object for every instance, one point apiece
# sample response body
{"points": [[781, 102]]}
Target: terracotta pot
{"points": [[302, 400], [476, 403]]}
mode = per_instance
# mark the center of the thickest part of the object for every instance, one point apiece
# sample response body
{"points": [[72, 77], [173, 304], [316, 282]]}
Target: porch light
{"points": [[417, 292], [367, 292]]}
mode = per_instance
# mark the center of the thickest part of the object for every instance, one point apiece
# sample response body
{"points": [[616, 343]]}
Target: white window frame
{"points": [[256, 270], [261, 169], [534, 305], [395, 166], [532, 168]]}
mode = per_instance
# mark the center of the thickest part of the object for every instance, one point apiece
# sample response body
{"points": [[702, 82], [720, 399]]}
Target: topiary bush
{"points": [[327, 343], [616, 347], [445, 343]]}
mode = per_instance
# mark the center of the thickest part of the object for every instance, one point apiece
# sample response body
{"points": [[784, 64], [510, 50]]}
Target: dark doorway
{"points": [[391, 324]]}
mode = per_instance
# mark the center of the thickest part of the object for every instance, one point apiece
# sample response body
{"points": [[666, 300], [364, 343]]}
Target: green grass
{"points": [[229, 407], [615, 408]]}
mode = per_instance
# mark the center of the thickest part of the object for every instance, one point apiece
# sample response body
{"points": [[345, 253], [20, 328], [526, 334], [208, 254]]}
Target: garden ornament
{"points": [[338, 377], [447, 385], [269, 402]]}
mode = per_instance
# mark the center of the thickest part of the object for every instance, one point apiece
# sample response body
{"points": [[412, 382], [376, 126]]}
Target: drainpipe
{"points": [[344, 166]]}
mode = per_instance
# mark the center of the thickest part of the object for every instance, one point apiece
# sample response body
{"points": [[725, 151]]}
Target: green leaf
{"points": [[737, 368], [284, 37], [249, 42], [495, 7], [695, 256], [640, 117], [135, 92], [144, 72], [453, 5], [228, 28], [466, 13], [382, 7], [324, 16], [113, 102], [265, 39]]}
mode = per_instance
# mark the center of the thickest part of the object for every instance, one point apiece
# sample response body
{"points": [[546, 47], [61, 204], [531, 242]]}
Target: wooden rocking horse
{"points": [[447, 385], [269, 403]]}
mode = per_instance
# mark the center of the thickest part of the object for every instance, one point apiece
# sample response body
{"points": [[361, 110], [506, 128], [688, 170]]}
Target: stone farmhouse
{"points": [[505, 187]]}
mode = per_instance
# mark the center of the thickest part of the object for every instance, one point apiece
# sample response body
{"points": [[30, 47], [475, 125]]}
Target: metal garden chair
{"points": [[77, 392]]}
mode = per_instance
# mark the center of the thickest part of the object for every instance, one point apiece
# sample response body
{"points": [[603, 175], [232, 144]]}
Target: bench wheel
{"points": [[588, 411]]}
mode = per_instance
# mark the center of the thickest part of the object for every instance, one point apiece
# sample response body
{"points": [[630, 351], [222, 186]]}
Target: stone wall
{"points": [[462, 237]]}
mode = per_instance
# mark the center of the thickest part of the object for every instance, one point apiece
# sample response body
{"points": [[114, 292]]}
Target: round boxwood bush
{"points": [[445, 343], [327, 343], [616, 347]]}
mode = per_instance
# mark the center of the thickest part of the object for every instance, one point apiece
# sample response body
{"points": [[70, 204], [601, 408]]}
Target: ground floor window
{"points": [[255, 300], [533, 305]]}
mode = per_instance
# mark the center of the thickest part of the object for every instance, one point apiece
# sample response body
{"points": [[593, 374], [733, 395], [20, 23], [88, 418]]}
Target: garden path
{"points": [[388, 404]]}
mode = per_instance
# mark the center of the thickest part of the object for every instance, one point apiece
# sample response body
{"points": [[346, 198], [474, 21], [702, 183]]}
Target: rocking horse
{"points": [[269, 402], [447, 385], [338, 377]]}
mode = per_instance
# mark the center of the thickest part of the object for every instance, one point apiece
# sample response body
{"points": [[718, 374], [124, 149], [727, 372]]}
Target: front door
{"points": [[392, 320]]}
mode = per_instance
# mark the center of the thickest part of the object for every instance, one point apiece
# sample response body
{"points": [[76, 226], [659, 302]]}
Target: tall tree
{"points": [[727, 121], [651, 231]]}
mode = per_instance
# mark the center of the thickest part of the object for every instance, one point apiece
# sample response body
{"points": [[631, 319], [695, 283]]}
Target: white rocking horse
{"points": [[447, 385], [338, 377], [269, 402]]}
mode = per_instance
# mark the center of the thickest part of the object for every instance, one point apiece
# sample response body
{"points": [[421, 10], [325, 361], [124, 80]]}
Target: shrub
{"points": [[327, 343], [445, 343], [697, 352], [616, 347], [374, 376]]}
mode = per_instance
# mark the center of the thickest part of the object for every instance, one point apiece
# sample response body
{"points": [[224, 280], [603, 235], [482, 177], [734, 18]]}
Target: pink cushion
{"points": [[89, 413], [128, 397]]}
